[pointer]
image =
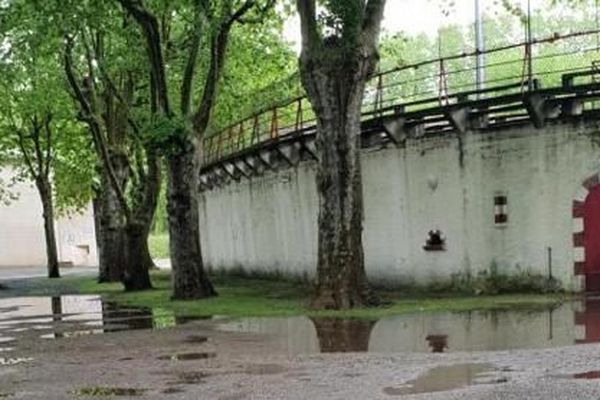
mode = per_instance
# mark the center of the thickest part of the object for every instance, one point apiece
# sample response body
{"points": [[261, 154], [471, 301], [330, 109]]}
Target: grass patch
{"points": [[158, 244], [239, 297], [253, 297]]}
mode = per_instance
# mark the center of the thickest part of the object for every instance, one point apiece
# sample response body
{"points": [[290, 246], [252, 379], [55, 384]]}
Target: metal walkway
{"points": [[431, 98]]}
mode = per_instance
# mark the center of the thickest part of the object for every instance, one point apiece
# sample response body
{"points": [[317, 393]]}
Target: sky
{"points": [[420, 16]]}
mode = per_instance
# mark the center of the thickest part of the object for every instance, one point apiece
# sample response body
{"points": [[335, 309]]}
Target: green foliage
{"points": [[7, 195], [342, 18], [550, 60], [492, 282], [261, 71], [158, 243], [160, 225], [32, 85]]}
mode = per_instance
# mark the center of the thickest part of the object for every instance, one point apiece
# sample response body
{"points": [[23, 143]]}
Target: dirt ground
{"points": [[194, 361]]}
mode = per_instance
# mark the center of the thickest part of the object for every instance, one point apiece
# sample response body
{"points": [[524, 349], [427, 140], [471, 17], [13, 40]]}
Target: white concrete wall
{"points": [[22, 240], [268, 223], [76, 237]]}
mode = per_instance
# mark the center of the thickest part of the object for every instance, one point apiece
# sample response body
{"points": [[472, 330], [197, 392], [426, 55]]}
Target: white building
{"points": [[22, 241]]}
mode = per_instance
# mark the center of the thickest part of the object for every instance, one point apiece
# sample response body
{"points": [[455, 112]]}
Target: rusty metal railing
{"points": [[421, 85]]}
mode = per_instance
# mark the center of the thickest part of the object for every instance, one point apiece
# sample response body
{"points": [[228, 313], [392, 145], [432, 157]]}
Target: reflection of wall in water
{"points": [[499, 330], [494, 330], [295, 335], [44, 306]]}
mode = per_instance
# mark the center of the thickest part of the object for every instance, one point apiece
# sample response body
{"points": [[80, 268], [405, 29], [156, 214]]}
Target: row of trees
{"points": [[104, 98], [101, 94]]}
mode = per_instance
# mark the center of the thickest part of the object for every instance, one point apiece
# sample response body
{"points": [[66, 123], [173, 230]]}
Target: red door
{"points": [[591, 240]]}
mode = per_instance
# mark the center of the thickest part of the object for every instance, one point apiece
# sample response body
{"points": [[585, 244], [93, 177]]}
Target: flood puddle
{"points": [[109, 392], [195, 339], [265, 369], [27, 319], [588, 375], [444, 378], [33, 318], [14, 361], [570, 323], [188, 356]]}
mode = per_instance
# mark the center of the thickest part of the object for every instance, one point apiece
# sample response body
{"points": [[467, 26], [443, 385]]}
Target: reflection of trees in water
{"points": [[117, 318], [56, 305], [343, 335]]}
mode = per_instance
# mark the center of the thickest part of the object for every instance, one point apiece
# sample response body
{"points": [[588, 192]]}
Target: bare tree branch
{"points": [[151, 31], [36, 127], [95, 128], [240, 12], [262, 11], [81, 98], [25, 153], [91, 76], [190, 66], [48, 130], [308, 24], [372, 22], [218, 49], [219, 43]]}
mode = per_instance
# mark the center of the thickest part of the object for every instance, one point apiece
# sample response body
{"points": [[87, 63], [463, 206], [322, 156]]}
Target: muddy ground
{"points": [[194, 361]]}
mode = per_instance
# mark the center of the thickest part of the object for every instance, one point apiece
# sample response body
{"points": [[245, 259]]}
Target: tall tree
{"points": [[106, 81], [207, 33], [92, 33], [33, 139], [130, 168], [339, 54], [37, 132]]}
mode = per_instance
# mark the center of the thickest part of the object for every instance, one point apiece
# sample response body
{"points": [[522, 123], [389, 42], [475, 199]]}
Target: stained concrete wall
{"points": [[268, 223], [22, 241]]}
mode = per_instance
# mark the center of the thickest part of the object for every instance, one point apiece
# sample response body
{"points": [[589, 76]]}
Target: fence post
{"points": [[443, 84], [274, 124], [379, 95], [299, 116], [240, 136], [255, 131]]}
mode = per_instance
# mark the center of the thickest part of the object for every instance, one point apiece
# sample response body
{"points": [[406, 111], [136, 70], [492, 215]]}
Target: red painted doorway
{"points": [[591, 239]]}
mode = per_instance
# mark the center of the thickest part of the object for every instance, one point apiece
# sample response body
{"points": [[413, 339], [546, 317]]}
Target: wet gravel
{"points": [[247, 366]]}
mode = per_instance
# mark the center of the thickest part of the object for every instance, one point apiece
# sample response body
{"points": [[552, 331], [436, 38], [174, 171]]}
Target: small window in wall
{"points": [[435, 241], [500, 210]]}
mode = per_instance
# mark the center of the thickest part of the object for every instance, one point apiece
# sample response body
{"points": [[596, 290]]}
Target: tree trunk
{"points": [[45, 192], [145, 212], [189, 278], [112, 234], [136, 276], [110, 238], [335, 89]]}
